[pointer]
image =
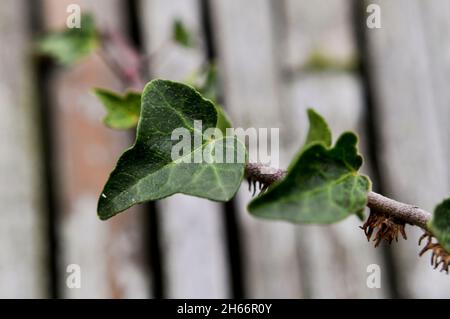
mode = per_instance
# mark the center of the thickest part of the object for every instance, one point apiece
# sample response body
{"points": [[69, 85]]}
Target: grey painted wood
{"points": [[250, 73], [436, 20], [22, 227], [411, 107], [193, 242], [319, 27], [337, 256], [111, 254]]}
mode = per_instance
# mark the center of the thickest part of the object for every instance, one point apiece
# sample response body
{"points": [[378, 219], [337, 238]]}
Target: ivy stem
{"points": [[114, 50], [408, 213]]}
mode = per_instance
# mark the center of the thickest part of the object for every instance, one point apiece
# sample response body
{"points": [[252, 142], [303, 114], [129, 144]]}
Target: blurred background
{"points": [[275, 59]]}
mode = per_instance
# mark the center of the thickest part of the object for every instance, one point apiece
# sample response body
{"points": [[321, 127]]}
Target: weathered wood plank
{"points": [[337, 255], [436, 19], [22, 226], [411, 108], [193, 243], [111, 254], [322, 27], [251, 86]]}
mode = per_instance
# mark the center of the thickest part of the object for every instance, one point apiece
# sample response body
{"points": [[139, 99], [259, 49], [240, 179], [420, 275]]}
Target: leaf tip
{"points": [[102, 213], [319, 131]]}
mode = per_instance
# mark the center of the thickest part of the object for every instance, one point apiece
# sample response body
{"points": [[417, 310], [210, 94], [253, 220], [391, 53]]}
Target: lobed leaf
{"points": [[322, 184], [440, 224], [147, 172], [123, 111], [70, 45]]}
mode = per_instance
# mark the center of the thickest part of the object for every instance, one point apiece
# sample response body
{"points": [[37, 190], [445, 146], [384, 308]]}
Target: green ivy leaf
{"points": [[322, 184], [147, 172], [70, 45], [181, 34], [123, 111], [440, 224]]}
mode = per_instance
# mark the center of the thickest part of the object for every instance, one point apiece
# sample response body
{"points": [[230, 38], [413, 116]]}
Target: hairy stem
{"points": [[408, 213], [124, 60]]}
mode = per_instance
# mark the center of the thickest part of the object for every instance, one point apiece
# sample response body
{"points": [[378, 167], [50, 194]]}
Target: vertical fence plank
{"points": [[409, 105], [22, 228], [251, 85], [193, 243], [111, 254], [437, 23], [320, 63]]}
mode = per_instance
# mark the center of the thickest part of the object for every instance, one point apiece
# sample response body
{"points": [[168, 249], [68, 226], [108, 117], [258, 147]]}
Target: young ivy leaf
{"points": [[322, 184], [123, 111], [147, 171], [182, 35], [70, 45], [440, 224]]}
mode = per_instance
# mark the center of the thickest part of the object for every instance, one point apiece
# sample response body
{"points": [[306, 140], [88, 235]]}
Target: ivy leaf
{"points": [[123, 111], [322, 184], [147, 171], [70, 45], [440, 224], [181, 34]]}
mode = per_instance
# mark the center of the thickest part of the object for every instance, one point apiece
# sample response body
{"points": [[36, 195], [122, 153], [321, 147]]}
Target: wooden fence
{"points": [[388, 84]]}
